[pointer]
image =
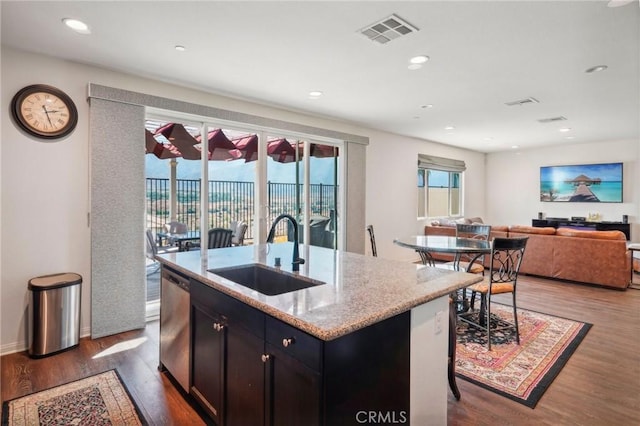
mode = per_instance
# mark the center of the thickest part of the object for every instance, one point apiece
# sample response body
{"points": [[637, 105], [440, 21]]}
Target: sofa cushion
{"points": [[598, 235], [523, 229]]}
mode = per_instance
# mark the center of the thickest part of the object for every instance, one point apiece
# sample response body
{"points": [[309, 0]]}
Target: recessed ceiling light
{"points": [[77, 26], [426, 106], [565, 129], [414, 67], [515, 146], [597, 68], [419, 59], [180, 48], [449, 128], [315, 94]]}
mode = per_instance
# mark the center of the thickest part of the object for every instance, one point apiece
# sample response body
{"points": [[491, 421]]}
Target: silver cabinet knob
{"points": [[265, 357], [288, 342]]}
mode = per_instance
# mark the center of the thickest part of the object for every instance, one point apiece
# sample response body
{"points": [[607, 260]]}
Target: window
{"points": [[439, 186]]}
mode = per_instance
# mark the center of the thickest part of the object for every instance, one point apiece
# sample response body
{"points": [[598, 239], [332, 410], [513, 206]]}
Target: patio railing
{"points": [[229, 201]]}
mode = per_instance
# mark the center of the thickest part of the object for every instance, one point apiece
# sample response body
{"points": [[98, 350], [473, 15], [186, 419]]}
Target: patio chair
{"points": [[220, 237], [152, 250], [239, 229], [175, 227]]}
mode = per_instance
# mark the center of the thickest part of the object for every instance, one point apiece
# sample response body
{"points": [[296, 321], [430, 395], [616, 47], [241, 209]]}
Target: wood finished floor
{"points": [[600, 385]]}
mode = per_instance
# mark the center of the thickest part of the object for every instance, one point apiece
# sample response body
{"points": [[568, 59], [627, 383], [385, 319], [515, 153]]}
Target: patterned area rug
{"points": [[519, 372], [97, 400]]}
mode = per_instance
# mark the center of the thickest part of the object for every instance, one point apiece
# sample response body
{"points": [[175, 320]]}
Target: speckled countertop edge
{"points": [[359, 291]]}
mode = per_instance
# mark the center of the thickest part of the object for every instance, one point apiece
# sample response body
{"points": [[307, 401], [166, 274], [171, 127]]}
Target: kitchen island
{"points": [[367, 343]]}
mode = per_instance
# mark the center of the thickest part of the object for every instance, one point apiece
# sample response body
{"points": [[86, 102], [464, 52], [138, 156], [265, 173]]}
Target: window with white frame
{"points": [[439, 186]]}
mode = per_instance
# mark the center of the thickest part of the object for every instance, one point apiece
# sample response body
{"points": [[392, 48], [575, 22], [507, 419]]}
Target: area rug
{"points": [[96, 400], [519, 372]]}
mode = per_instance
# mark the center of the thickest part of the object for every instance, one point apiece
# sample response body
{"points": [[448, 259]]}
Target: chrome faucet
{"points": [[295, 264]]}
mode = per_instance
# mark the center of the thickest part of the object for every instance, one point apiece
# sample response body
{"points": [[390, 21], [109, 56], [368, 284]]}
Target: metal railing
{"points": [[230, 201]]}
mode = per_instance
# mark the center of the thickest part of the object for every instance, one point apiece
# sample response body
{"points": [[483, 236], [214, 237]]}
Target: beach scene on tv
{"points": [[582, 183]]}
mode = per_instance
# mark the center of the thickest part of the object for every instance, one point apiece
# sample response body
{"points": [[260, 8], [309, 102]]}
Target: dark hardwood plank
{"points": [[599, 385]]}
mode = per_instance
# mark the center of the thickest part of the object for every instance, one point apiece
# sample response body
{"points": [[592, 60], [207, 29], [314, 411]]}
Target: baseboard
{"points": [[22, 346]]}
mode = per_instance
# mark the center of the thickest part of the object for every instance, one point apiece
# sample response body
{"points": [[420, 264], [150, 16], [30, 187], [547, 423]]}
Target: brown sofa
{"points": [[594, 257]]}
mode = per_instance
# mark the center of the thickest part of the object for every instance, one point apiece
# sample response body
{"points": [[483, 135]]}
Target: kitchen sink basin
{"points": [[266, 280]]}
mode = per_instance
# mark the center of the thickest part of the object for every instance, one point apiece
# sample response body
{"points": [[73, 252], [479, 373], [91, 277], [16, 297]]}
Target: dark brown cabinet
{"points": [[249, 368], [625, 228], [208, 360]]}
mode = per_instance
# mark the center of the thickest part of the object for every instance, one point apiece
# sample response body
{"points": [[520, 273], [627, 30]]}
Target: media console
{"points": [[581, 224]]}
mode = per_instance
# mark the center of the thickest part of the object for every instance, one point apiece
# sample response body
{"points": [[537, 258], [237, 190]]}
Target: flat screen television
{"points": [[585, 183]]}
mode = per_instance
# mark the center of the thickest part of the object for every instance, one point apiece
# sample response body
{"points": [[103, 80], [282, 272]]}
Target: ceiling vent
{"points": [[551, 119], [521, 102], [387, 29]]}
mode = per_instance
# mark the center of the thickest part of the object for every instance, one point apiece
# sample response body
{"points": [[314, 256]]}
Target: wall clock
{"points": [[44, 111]]}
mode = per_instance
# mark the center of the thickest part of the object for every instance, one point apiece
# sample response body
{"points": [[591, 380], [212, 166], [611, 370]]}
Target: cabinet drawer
{"points": [[235, 311], [301, 346]]}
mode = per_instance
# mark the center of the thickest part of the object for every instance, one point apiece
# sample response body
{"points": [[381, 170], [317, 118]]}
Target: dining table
{"points": [[425, 245], [179, 239]]}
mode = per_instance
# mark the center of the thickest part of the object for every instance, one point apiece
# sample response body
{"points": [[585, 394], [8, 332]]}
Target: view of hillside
{"points": [[239, 171]]}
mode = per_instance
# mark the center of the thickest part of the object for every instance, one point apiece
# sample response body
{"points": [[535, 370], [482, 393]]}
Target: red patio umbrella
{"points": [[162, 151], [178, 136], [281, 150], [219, 145], [246, 147]]}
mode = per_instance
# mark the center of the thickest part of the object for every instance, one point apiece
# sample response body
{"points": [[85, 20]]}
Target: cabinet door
{"points": [[208, 361], [245, 378], [293, 393]]}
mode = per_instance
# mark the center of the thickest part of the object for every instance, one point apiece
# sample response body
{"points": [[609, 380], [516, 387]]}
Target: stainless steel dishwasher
{"points": [[174, 325]]}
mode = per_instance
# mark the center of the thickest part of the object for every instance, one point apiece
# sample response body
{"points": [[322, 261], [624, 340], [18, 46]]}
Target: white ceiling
{"points": [[482, 55]]}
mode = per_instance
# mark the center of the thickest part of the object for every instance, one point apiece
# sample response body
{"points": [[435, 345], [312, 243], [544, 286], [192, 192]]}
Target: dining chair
{"points": [[219, 238], [476, 232], [506, 257], [372, 238]]}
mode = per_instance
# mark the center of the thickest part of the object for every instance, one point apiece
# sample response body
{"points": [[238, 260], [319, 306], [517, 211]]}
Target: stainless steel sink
{"points": [[269, 281]]}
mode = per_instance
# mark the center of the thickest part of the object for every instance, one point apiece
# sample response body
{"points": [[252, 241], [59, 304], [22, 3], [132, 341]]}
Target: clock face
{"points": [[44, 112]]}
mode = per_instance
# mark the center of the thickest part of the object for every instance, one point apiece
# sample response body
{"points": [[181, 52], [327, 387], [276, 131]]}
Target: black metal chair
{"points": [[372, 238], [506, 257], [219, 238], [476, 232]]}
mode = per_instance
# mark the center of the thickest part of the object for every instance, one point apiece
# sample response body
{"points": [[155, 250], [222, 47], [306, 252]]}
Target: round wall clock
{"points": [[44, 111]]}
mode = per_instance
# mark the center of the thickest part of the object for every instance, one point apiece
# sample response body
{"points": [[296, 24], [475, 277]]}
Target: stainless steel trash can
{"points": [[54, 313]]}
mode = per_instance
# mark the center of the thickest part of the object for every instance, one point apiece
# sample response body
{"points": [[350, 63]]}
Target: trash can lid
{"points": [[54, 281]]}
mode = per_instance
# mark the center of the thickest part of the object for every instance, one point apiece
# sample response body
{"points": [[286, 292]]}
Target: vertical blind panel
{"points": [[117, 217], [440, 163]]}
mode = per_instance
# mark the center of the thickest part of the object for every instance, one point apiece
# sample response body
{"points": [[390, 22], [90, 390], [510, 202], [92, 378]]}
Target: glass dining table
{"points": [[425, 245]]}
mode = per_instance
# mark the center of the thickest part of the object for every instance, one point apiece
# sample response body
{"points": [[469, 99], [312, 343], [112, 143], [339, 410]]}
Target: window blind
{"points": [[440, 163]]}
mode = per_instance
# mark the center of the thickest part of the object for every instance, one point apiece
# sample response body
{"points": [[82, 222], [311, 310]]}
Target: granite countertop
{"points": [[359, 291]]}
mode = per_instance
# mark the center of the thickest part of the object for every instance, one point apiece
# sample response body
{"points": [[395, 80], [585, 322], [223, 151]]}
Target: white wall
{"points": [[392, 200], [513, 183]]}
